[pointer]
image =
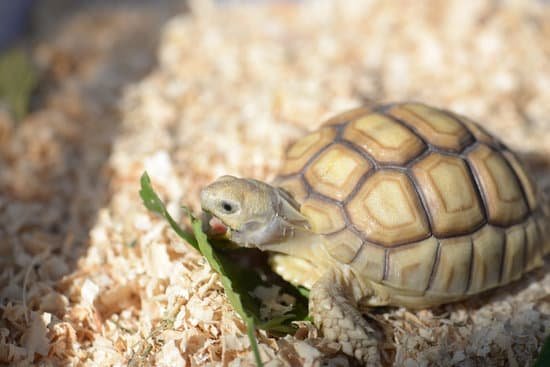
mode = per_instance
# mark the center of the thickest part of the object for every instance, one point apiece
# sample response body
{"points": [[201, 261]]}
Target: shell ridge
{"points": [[542, 235], [503, 260], [469, 139], [335, 232], [315, 156], [413, 242], [435, 265], [423, 201], [519, 183], [307, 186], [359, 250], [470, 267], [492, 185], [541, 240], [525, 248], [477, 187], [342, 126], [351, 145], [455, 118], [386, 264], [343, 211], [429, 150], [318, 195], [502, 257], [358, 186], [406, 125]]}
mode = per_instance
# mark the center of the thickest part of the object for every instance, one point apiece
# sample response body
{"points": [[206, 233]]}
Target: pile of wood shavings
{"points": [[233, 86]]}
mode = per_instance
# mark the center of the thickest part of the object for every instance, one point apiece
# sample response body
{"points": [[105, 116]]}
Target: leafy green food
{"points": [[17, 81], [154, 204], [239, 283]]}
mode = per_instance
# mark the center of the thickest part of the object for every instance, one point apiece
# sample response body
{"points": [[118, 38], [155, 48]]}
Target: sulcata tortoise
{"points": [[400, 204]]}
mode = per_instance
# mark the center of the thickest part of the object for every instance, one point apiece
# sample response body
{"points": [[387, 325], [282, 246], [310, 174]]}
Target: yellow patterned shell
{"points": [[418, 199]]}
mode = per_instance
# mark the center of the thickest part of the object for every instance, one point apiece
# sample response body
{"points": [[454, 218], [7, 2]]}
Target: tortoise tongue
{"points": [[217, 227], [212, 226]]}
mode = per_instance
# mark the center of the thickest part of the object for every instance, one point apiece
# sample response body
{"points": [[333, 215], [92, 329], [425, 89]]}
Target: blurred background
{"points": [[92, 93]]}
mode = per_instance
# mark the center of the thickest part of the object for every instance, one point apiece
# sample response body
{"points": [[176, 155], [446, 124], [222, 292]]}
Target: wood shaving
{"points": [[89, 277]]}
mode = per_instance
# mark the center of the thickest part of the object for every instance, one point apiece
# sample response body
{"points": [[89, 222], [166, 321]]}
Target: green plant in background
{"points": [[238, 282], [544, 357], [17, 81]]}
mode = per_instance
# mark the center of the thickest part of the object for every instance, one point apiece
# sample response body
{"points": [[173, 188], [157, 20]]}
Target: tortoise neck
{"points": [[300, 243]]}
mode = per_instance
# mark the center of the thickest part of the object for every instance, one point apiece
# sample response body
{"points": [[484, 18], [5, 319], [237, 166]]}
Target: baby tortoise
{"points": [[400, 204]]}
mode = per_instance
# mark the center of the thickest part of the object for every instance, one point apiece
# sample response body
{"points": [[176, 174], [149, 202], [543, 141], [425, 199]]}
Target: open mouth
{"points": [[213, 226], [217, 227]]}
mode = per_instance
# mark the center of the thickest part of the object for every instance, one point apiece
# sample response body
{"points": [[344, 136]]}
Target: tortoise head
{"points": [[254, 213]]}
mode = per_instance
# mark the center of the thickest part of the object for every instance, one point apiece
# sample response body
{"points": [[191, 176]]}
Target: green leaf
{"points": [[250, 328], [17, 81], [154, 204], [278, 324], [544, 357], [238, 282], [303, 291]]}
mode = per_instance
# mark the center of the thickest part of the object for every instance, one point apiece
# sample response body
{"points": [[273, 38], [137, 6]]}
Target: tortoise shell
{"points": [[418, 198]]}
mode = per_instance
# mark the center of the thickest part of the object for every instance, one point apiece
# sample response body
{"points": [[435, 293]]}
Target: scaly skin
{"points": [[335, 312]]}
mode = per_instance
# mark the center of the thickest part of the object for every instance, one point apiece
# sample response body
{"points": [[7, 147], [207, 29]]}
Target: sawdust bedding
{"points": [[88, 277]]}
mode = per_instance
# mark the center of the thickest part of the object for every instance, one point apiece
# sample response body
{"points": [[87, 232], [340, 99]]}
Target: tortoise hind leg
{"points": [[334, 311]]}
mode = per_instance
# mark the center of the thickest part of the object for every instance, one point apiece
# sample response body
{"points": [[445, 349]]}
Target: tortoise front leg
{"points": [[334, 311]]}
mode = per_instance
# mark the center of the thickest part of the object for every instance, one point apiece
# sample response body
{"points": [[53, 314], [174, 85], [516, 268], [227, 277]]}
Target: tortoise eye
{"points": [[227, 207]]}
